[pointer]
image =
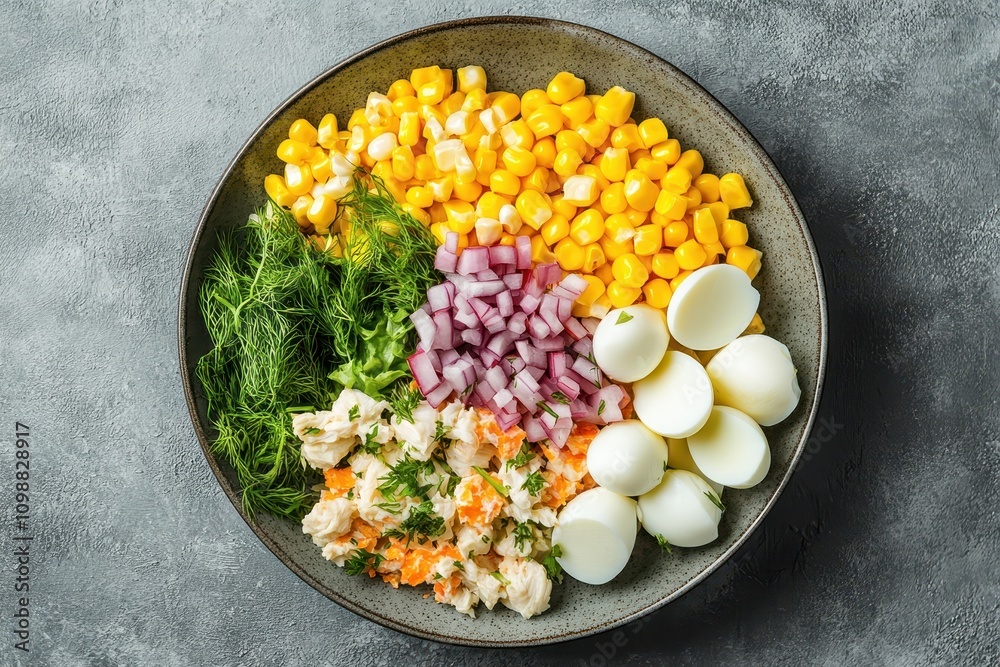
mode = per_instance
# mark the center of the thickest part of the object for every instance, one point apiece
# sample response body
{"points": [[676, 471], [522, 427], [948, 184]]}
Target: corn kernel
{"points": [[409, 129], [652, 131], [569, 255], [615, 106], [475, 100], [613, 198], [665, 265], [503, 182], [667, 152], [640, 192], [555, 230], [537, 180], [400, 88], [715, 249], [734, 233], [540, 253], [419, 196], [692, 161], [708, 185], [472, 77], [745, 258], [670, 205], [564, 86], [469, 191], [488, 231], [604, 273], [653, 169], [587, 227], [532, 100], [613, 250], [705, 230], [518, 161], [593, 257], [322, 168], [300, 210], [517, 133], [577, 111], [693, 195], [507, 239], [566, 163], [719, 210], [507, 106], [677, 180], [441, 188], [544, 151], [593, 171], [619, 228], [546, 121], [595, 288], [678, 279], [432, 92], [298, 179], [461, 215], [293, 152], [690, 255], [733, 191], [357, 118], [533, 208], [489, 205], [572, 141], [648, 240], [756, 325], [657, 292], [614, 164], [635, 216], [276, 189], [594, 131], [326, 134], [621, 295], [580, 190], [627, 137], [303, 132], [407, 104], [629, 271], [322, 212], [403, 163]]}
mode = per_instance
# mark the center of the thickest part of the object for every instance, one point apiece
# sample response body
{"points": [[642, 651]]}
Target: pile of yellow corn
{"points": [[602, 195]]}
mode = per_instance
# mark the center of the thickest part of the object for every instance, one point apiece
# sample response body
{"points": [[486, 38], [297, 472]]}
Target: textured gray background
{"points": [[116, 121]]}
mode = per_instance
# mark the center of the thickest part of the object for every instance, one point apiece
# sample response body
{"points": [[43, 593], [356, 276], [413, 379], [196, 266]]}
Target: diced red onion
{"points": [[567, 386], [505, 304], [424, 325], [557, 365], [473, 260], [445, 260], [518, 323], [437, 396], [423, 372], [576, 330], [503, 254], [473, 337], [486, 287], [523, 246]]}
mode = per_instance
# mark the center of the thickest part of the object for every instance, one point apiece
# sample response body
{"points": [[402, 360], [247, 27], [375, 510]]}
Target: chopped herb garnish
{"points": [[624, 317], [500, 488], [601, 406], [716, 501], [561, 397], [486, 539], [350, 494], [533, 483], [553, 570], [459, 566], [403, 480], [391, 508], [662, 541], [312, 430], [299, 408], [422, 522], [440, 430], [449, 482], [369, 445], [362, 560], [523, 456], [353, 413], [404, 400], [545, 406], [437, 575], [522, 533], [499, 577]]}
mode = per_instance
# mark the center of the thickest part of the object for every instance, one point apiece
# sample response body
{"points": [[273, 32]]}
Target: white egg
{"points": [[627, 458], [596, 532], [681, 510], [712, 307], [755, 375], [629, 342], [676, 398], [680, 458], [731, 449]]}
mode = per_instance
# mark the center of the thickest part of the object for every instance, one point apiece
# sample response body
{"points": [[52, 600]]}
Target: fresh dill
{"points": [[545, 406], [403, 480], [458, 565], [601, 406], [353, 413], [524, 455], [533, 483], [662, 541], [496, 574], [312, 430], [440, 430], [553, 570], [716, 501], [404, 400], [420, 523], [497, 486], [561, 397], [522, 533], [370, 445], [362, 560]]}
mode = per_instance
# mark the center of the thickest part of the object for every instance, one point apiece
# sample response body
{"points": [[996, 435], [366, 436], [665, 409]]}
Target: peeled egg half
{"points": [[596, 532], [627, 458], [712, 307], [629, 342], [681, 510], [674, 400], [755, 375], [680, 458], [731, 449]]}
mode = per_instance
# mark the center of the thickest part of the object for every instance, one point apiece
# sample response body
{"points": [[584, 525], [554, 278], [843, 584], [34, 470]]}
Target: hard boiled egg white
{"points": [[680, 458], [731, 449], [627, 458], [681, 510], [674, 400], [755, 375], [596, 532], [629, 342], [712, 307]]}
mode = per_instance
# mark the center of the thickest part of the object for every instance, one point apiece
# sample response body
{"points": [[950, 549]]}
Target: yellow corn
{"points": [[693, 195], [640, 192], [692, 161], [293, 152], [705, 230], [518, 161], [452, 103], [303, 132], [670, 205], [544, 151], [613, 249], [409, 129], [588, 227], [532, 100], [555, 230], [407, 104], [648, 240], [419, 196], [733, 191], [621, 295], [619, 228], [677, 180], [545, 121], [595, 288], [577, 111], [400, 88], [566, 163], [471, 78], [657, 292], [745, 258], [690, 255], [475, 100], [614, 164], [613, 198], [507, 106], [572, 141], [615, 106], [678, 279], [298, 179], [485, 162], [734, 233], [593, 257], [540, 253], [667, 152], [489, 205], [300, 210], [537, 180], [719, 210], [564, 87], [403, 163], [437, 213], [357, 118], [756, 325], [629, 271], [533, 208], [517, 133], [569, 254], [469, 191], [715, 249], [503, 182], [652, 131], [580, 190], [562, 207], [441, 188], [424, 168], [322, 212], [708, 185], [665, 265], [461, 215], [627, 137], [326, 134], [594, 131], [652, 168]]}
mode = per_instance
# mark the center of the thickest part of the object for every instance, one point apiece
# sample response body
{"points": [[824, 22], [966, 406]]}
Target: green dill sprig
{"points": [[497, 486], [524, 455], [533, 483], [420, 523], [361, 561], [553, 570]]}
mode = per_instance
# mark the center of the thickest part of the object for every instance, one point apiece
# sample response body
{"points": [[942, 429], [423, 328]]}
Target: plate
{"points": [[519, 54]]}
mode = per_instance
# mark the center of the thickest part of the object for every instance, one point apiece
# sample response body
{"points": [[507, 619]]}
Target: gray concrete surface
{"points": [[116, 120]]}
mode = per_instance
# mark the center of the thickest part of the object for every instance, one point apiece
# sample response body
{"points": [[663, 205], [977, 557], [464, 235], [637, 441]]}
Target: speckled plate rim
{"points": [[697, 92]]}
